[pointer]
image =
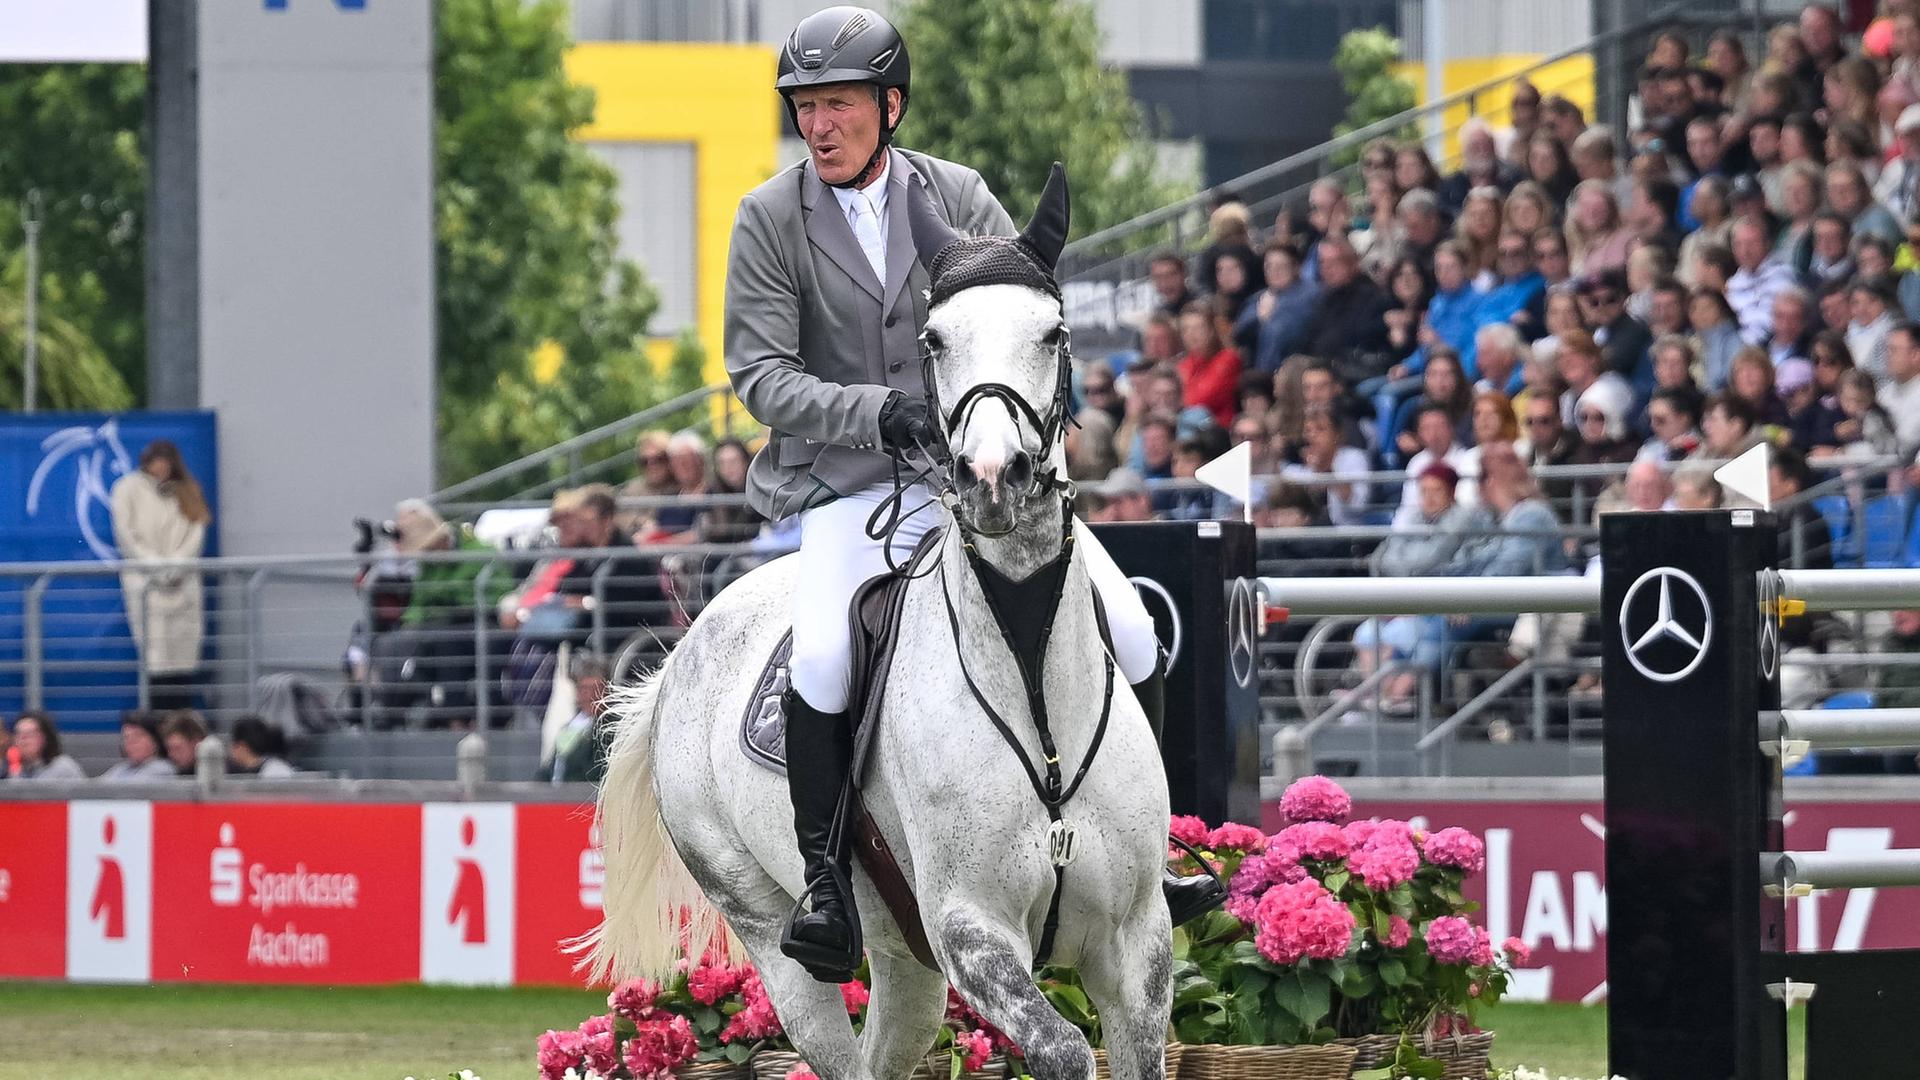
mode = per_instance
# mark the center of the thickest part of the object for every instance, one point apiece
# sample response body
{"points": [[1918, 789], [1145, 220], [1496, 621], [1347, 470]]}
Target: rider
{"points": [[825, 306]]}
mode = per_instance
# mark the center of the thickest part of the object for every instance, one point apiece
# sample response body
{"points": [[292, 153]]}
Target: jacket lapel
{"points": [[827, 228], [901, 258]]}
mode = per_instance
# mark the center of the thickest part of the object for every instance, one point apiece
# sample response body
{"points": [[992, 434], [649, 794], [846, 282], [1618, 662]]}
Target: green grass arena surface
{"points": [[297, 1033]]}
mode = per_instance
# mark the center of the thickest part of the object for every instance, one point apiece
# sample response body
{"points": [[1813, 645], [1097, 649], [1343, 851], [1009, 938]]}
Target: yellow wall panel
{"points": [[1571, 78]]}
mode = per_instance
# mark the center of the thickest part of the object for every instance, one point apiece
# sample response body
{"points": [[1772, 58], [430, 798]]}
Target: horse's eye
{"points": [[931, 342], [1055, 338]]}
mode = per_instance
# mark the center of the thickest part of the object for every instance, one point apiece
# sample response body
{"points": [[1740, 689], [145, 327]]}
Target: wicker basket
{"points": [[1464, 1057], [1371, 1051], [713, 1070], [1210, 1062], [1175, 1051], [773, 1064], [939, 1064]]}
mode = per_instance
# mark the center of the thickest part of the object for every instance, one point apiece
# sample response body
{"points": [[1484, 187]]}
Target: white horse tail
{"points": [[652, 911]]}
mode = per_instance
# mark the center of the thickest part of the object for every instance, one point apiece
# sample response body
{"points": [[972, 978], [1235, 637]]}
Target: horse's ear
{"points": [[930, 234], [1047, 231]]}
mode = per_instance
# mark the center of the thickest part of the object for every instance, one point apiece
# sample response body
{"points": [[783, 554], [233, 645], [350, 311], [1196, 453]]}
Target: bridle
{"points": [[1051, 428]]}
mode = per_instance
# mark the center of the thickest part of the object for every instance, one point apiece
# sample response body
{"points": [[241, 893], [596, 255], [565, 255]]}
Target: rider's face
{"points": [[841, 124]]}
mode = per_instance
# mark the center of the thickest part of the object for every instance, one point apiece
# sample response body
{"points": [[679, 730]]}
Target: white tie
{"points": [[866, 229]]}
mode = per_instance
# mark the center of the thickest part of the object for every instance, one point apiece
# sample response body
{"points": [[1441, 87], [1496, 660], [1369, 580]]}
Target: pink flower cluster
{"points": [[1383, 854], [963, 1017], [1321, 840], [1316, 798], [755, 1022], [1399, 932], [1302, 919], [975, 1047], [1256, 875], [659, 1045], [709, 983], [1457, 848], [1188, 830], [856, 995], [1517, 951], [1235, 837], [558, 1051], [634, 998], [601, 1052], [801, 1072], [1451, 940]]}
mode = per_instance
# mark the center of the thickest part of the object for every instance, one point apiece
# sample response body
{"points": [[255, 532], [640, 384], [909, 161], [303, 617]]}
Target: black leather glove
{"points": [[906, 425]]}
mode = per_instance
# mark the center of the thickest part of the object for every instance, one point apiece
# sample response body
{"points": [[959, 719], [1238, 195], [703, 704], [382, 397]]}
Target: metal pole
{"points": [[482, 700], [31, 393], [1434, 30], [36, 643], [256, 583], [1439, 595], [1841, 870], [1844, 728]]}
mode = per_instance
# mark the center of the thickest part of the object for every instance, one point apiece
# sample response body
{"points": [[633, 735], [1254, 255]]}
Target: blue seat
{"points": [[1838, 513], [1886, 542]]}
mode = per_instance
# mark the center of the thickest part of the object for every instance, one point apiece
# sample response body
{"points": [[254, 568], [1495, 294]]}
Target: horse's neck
{"points": [[1033, 544]]}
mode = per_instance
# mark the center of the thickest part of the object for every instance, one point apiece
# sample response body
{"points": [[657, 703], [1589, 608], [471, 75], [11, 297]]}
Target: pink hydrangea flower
{"points": [[1451, 940], [601, 1053], [1457, 848], [1302, 919], [1399, 932], [660, 1044], [1257, 874], [1188, 830], [1234, 836], [1316, 798], [709, 983], [1517, 951], [1482, 948], [975, 1048], [558, 1051], [634, 999], [855, 994], [594, 1025], [1386, 858], [1320, 840], [801, 1072], [757, 1020]]}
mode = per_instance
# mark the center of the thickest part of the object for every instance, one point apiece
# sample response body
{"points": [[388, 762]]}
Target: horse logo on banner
{"points": [[99, 459]]}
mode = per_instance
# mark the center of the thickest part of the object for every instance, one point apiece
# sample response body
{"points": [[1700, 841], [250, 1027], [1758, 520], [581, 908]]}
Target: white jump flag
{"points": [[1746, 476], [1232, 474]]}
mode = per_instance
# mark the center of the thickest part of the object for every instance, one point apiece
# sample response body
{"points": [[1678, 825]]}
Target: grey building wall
{"points": [[1500, 27], [316, 264], [657, 222]]}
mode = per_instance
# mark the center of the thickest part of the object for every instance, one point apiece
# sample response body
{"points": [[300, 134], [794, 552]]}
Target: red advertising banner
{"points": [[33, 890], [558, 883], [286, 893], [1545, 882]]}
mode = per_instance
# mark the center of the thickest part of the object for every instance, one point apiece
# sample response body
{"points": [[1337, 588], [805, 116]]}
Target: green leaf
{"points": [[1336, 880], [1393, 971], [738, 1052]]}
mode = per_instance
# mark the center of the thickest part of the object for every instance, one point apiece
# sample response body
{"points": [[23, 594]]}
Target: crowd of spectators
{"points": [[1737, 267], [154, 746]]}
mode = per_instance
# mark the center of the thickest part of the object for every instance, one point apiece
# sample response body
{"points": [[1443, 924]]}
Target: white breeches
{"points": [[836, 556]]}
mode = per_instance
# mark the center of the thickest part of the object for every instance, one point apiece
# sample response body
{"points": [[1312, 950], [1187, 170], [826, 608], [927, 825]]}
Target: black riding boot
{"points": [[1188, 898], [819, 759]]}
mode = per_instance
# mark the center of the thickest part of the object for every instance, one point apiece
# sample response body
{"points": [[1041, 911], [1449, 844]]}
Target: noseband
{"points": [[1051, 428]]}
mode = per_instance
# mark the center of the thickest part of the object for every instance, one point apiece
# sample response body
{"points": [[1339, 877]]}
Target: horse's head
{"points": [[996, 357]]}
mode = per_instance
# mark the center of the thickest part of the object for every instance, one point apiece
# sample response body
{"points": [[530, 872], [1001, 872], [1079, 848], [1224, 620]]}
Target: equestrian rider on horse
{"points": [[825, 306]]}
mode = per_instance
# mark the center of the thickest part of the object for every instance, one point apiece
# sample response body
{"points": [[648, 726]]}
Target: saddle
{"points": [[875, 617]]}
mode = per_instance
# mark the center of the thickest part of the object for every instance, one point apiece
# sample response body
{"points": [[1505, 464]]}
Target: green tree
{"points": [[1011, 86], [1365, 62], [75, 133], [527, 247], [73, 372]]}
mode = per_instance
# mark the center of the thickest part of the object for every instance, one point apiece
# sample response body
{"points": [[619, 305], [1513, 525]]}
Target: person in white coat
{"points": [[159, 515]]}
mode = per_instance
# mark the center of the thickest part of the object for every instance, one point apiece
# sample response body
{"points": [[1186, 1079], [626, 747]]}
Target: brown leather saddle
{"points": [[875, 617]]}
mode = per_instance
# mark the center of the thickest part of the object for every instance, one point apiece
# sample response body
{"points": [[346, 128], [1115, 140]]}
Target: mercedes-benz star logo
{"points": [[1769, 623], [1146, 585], [1241, 631], [1672, 645]]}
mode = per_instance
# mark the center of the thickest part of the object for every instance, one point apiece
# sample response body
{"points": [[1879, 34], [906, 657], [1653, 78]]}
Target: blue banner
{"points": [[56, 473]]}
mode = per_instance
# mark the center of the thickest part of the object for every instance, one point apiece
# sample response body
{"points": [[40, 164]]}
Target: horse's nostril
{"points": [[1019, 472], [963, 475]]}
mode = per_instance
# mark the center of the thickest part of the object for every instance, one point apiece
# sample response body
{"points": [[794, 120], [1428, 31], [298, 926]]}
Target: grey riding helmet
{"points": [[847, 44]]}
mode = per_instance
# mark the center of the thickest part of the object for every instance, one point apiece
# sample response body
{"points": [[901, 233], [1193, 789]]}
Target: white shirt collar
{"points": [[875, 194]]}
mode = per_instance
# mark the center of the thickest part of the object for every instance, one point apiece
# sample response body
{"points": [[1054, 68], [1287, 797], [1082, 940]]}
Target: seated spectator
{"points": [[1549, 166], [1600, 417], [1547, 442], [1209, 368], [1480, 166], [1271, 326], [1232, 238], [1864, 430], [1647, 489], [1758, 280], [1835, 307], [1596, 156], [1603, 303], [1517, 296], [1477, 232], [1438, 445], [1813, 426], [1828, 253], [140, 757], [1597, 238], [1805, 541], [1667, 308], [1377, 239], [1581, 369], [1090, 447], [1168, 273], [1523, 111], [1528, 539], [1712, 207], [37, 756], [1159, 342], [1729, 427], [1871, 304], [555, 599], [1898, 188], [1900, 393], [1673, 420], [1413, 170], [1428, 541], [1753, 383], [1790, 335], [180, 736], [1324, 453], [1551, 255], [1099, 391], [655, 477], [1444, 386], [1199, 504], [1563, 317], [740, 523], [1801, 193], [1716, 335], [1848, 193], [442, 591], [258, 749], [1530, 213], [1158, 436], [1492, 421], [1412, 286], [1502, 358], [1154, 393], [1873, 258], [1674, 362], [1320, 387], [679, 522], [1347, 329], [1126, 495], [579, 752], [1694, 488]]}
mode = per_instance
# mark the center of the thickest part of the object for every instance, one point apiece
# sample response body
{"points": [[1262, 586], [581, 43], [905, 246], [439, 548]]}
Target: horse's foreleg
{"points": [[992, 973], [903, 1018], [1129, 979]]}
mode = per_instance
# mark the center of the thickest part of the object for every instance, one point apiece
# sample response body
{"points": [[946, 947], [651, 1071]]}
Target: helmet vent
{"points": [[879, 63], [853, 27]]}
